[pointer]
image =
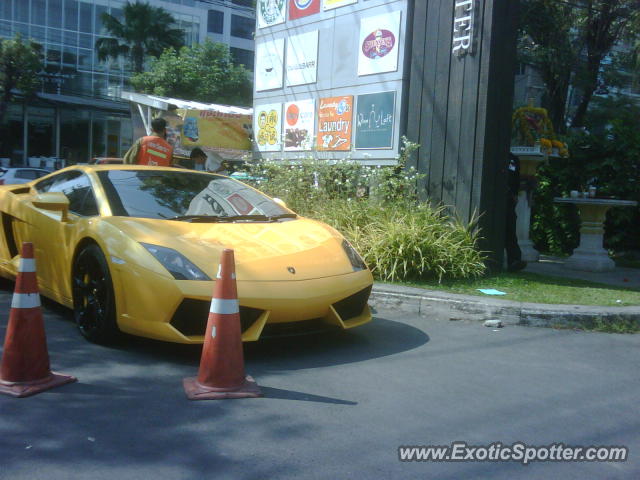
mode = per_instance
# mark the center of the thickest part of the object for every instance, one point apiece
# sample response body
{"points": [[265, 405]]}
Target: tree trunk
{"points": [[555, 100], [593, 69]]}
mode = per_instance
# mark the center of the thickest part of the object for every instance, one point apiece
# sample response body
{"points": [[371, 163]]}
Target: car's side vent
{"points": [[7, 228], [191, 317], [353, 305]]}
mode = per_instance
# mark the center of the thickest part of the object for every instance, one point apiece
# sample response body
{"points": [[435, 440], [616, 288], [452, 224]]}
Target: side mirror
{"points": [[280, 202], [54, 201]]}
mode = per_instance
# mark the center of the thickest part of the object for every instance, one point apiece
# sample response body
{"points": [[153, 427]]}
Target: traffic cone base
{"points": [[24, 367], [196, 391], [221, 374], [25, 389]]}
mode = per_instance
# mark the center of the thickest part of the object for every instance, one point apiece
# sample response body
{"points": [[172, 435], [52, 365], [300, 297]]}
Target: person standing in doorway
{"points": [[152, 149], [514, 254]]}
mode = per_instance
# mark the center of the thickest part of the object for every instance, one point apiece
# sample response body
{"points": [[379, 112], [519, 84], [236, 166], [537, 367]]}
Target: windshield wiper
{"points": [[231, 218], [195, 218], [257, 218]]}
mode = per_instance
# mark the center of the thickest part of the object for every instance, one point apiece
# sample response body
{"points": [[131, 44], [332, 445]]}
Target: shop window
{"points": [[215, 21], [242, 27], [242, 56]]}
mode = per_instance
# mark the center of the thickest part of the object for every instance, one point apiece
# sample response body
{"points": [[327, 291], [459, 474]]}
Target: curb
{"points": [[452, 306]]}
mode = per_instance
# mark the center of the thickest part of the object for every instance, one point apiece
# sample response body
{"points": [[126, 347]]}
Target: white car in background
{"points": [[13, 175]]}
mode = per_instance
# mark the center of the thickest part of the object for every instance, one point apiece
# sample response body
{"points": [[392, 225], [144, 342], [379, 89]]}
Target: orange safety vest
{"points": [[155, 151]]}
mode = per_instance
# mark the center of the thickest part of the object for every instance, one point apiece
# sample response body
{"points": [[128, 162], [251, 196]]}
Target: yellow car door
{"points": [[55, 225]]}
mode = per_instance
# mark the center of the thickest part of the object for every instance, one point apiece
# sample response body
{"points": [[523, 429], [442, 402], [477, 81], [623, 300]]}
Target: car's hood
{"points": [[263, 251]]}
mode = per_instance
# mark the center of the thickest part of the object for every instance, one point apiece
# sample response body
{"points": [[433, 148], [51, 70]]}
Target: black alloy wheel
{"points": [[93, 298]]}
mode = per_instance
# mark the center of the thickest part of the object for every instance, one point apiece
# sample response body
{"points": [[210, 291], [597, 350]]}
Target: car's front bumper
{"points": [[162, 308]]}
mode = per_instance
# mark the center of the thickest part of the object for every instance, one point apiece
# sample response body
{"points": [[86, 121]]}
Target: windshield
{"points": [[183, 195]]}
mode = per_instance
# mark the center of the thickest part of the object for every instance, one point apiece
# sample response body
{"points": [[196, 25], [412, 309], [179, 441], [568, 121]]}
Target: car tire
{"points": [[93, 297]]}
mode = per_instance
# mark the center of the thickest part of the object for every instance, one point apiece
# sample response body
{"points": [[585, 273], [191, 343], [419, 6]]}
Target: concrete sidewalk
{"points": [[480, 308]]}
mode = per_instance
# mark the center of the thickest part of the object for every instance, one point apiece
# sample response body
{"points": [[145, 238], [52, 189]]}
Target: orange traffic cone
{"points": [[25, 369], [221, 373]]}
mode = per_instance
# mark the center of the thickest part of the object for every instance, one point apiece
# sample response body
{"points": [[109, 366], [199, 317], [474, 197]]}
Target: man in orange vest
{"points": [[152, 149]]}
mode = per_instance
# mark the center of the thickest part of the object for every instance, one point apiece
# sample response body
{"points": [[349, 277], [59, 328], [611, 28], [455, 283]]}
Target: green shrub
{"points": [[607, 155], [376, 209]]}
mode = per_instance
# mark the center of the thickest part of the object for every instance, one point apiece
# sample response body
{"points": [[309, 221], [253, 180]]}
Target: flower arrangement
{"points": [[531, 125], [563, 148]]}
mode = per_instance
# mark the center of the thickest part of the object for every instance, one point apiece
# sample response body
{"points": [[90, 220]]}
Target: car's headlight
{"points": [[177, 264], [354, 257]]}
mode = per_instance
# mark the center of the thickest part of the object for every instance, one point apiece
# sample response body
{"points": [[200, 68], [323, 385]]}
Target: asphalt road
{"points": [[336, 406]]}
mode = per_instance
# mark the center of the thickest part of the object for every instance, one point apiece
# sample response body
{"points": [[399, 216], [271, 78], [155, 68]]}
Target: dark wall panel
{"points": [[460, 111]]}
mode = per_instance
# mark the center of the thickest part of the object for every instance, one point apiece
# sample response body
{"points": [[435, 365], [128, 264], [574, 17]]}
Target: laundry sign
{"points": [[335, 116]]}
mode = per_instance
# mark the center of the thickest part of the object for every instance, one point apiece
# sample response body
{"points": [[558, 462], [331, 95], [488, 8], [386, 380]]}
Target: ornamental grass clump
{"points": [[402, 242], [376, 209]]}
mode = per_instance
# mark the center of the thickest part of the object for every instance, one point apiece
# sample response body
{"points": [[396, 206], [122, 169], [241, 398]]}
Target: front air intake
{"points": [[353, 305], [191, 317]]}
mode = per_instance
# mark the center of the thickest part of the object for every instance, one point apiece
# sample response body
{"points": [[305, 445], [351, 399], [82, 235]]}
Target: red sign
{"points": [[378, 44], [303, 8], [292, 114]]}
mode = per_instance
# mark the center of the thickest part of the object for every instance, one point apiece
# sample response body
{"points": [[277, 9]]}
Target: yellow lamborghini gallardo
{"points": [[135, 249]]}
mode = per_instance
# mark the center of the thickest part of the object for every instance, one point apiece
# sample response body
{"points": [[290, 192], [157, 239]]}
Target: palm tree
{"points": [[146, 30]]}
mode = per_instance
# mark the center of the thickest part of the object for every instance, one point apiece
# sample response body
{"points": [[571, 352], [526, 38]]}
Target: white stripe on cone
{"points": [[27, 265], [25, 300], [224, 306], [219, 274]]}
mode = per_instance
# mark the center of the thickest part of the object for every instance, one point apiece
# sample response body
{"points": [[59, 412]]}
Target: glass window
{"points": [[70, 56], [5, 10], [100, 85], [13, 139], [38, 12], [54, 54], [5, 29], [77, 188], [86, 17], [98, 147], [242, 56], [21, 10], [38, 33], [29, 174], [71, 14], [184, 196], [74, 130], [70, 39], [40, 131], [86, 40], [22, 28], [117, 13], [99, 29], [242, 27], [215, 21], [84, 59], [54, 35], [244, 3], [54, 13]]}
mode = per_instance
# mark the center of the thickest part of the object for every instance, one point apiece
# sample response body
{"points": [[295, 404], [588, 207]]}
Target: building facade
{"points": [[77, 113]]}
